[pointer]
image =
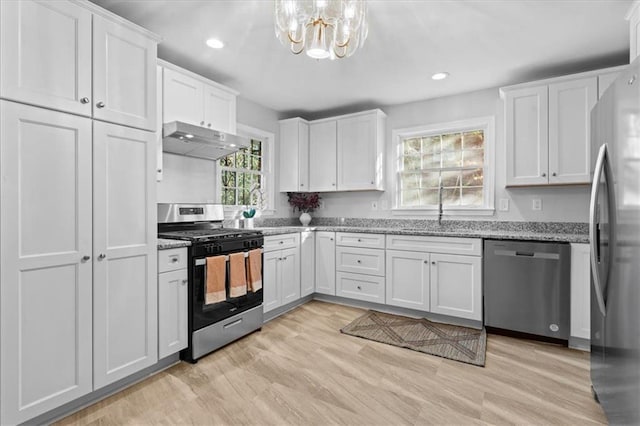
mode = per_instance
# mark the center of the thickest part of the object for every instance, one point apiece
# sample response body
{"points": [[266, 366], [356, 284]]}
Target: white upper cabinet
{"points": [[294, 155], [633, 16], [570, 104], [322, 156], [360, 147], [45, 52], [49, 60], [192, 99], [124, 75], [547, 128], [346, 152]]}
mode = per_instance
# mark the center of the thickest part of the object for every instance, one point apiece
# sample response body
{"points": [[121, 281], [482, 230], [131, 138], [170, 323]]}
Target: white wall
{"points": [[559, 204]]}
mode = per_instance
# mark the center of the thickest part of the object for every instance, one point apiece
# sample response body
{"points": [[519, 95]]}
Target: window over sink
{"points": [[448, 163], [245, 178]]}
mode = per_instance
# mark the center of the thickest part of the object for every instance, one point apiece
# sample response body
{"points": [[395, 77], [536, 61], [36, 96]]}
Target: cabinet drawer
{"points": [[360, 260], [451, 245], [172, 259], [356, 239], [361, 287], [278, 242]]}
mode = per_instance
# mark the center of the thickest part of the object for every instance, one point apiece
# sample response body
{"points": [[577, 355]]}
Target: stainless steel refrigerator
{"points": [[615, 249]]}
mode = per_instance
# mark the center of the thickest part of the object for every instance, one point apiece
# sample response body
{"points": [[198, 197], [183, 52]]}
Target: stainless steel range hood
{"points": [[195, 141]]}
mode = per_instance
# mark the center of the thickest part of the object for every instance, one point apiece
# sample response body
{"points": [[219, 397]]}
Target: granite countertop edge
{"points": [[165, 243], [464, 233]]}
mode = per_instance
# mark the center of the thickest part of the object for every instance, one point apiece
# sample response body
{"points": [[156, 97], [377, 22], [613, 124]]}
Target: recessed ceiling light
{"points": [[214, 43], [440, 75], [188, 136]]}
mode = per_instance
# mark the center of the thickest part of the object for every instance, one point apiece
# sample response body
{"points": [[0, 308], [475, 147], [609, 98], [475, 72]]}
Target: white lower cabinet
{"points": [[426, 274], [307, 263], [408, 279], [580, 291], [359, 268], [281, 271], [456, 286], [326, 262], [173, 305], [360, 286]]}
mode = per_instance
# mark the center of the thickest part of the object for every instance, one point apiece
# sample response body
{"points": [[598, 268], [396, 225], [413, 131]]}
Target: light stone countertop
{"points": [[165, 243]]}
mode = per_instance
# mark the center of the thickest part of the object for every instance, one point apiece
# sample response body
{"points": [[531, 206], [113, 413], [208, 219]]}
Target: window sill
{"points": [[235, 212], [447, 212]]}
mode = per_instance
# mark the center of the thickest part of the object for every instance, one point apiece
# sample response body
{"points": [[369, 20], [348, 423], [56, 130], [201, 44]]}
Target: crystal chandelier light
{"points": [[323, 28]]}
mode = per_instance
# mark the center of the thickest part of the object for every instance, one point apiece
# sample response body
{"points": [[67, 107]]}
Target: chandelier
{"points": [[323, 28]]}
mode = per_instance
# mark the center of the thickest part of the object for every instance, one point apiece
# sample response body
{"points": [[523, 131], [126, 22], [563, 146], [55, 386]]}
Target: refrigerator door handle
{"points": [[593, 226]]}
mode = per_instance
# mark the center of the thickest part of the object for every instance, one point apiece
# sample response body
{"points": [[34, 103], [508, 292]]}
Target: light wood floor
{"points": [[301, 370]]}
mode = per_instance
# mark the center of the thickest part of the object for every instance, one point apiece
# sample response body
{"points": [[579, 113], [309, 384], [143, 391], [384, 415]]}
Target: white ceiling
{"points": [[481, 43]]}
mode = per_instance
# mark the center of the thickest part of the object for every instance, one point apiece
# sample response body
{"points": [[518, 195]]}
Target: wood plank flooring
{"points": [[301, 370]]}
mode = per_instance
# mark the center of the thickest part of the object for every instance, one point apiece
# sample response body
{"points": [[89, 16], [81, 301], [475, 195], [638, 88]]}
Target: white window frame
{"points": [[487, 125], [268, 142]]}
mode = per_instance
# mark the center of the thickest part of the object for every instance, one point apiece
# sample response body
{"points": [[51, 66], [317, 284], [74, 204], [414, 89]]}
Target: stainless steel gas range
{"points": [[213, 324]]}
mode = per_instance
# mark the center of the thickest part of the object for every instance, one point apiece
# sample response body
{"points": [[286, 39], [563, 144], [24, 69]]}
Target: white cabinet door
{"points": [[125, 252], [289, 266], [357, 153], [307, 263], [408, 279], [45, 52], [456, 286], [325, 263], [271, 290], [172, 312], [124, 75], [45, 267], [526, 122], [570, 104], [322, 156], [605, 80], [219, 109], [580, 291], [183, 98], [294, 155]]}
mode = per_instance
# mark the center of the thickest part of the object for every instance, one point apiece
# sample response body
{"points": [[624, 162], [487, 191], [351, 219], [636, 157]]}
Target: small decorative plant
{"points": [[248, 214], [304, 201]]}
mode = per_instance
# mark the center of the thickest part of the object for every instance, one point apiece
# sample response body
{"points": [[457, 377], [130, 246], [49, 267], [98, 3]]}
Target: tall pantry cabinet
{"points": [[78, 302]]}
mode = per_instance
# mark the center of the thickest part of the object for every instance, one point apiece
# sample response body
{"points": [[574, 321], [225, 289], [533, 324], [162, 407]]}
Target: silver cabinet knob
{"points": [[185, 281], [84, 100], [333, 184], [433, 263], [159, 170], [281, 242], [302, 184], [426, 262], [174, 259], [553, 174], [85, 258], [359, 288], [208, 124], [358, 261], [330, 239], [102, 256], [100, 104], [632, 80], [372, 182], [202, 123], [544, 175], [359, 240]]}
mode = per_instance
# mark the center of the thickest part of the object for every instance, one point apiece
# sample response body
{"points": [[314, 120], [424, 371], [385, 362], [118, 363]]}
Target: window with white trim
{"points": [[244, 177], [446, 163]]}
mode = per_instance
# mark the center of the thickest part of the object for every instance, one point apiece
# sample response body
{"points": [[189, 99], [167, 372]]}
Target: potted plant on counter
{"points": [[248, 217], [305, 202]]}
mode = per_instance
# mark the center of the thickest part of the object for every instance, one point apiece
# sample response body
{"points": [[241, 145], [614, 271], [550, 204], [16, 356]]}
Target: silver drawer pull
{"points": [[359, 261], [174, 259], [231, 324], [359, 288]]}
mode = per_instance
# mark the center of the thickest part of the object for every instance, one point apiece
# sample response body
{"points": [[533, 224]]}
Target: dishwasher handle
{"points": [[527, 254]]}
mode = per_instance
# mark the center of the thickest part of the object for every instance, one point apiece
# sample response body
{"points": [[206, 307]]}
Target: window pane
{"points": [[228, 178], [473, 140], [450, 179], [229, 196], [451, 196], [452, 159], [430, 179], [240, 160], [452, 142], [431, 145], [431, 161], [256, 147], [472, 177], [429, 196], [411, 163], [473, 158], [227, 161], [410, 180], [255, 163], [410, 198], [411, 147], [472, 196]]}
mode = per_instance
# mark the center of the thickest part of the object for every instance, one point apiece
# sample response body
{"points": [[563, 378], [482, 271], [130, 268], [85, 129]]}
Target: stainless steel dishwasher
{"points": [[527, 288]]}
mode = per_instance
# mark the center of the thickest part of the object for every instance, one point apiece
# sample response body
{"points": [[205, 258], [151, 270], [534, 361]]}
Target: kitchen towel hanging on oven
{"points": [[216, 278], [237, 275], [254, 270]]}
